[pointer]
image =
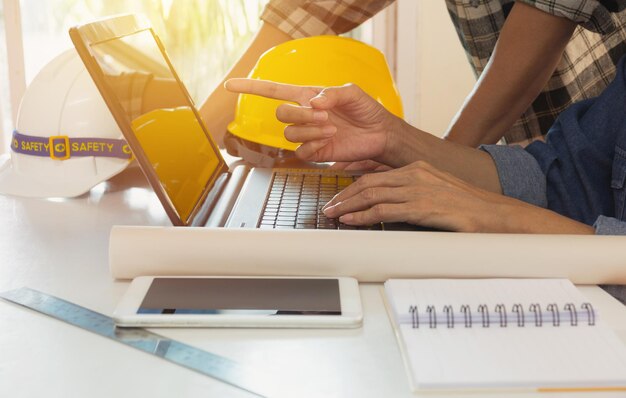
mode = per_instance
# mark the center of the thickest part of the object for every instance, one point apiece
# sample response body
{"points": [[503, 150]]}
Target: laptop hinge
{"points": [[228, 197], [211, 200]]}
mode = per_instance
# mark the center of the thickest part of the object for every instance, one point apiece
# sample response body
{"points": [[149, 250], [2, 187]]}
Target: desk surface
{"points": [[60, 247]]}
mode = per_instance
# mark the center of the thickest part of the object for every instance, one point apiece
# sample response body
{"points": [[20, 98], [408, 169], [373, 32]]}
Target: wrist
{"points": [[404, 144]]}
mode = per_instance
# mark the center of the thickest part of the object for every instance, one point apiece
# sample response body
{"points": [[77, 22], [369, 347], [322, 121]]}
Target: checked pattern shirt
{"points": [[586, 68]]}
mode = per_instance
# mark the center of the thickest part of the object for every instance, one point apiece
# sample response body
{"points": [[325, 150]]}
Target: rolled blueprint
{"points": [[369, 256]]}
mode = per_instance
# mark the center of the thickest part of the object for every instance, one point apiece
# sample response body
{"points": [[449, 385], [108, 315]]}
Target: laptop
{"points": [[181, 161]]}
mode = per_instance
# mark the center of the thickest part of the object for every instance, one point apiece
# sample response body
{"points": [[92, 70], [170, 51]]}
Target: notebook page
{"points": [[478, 357]]}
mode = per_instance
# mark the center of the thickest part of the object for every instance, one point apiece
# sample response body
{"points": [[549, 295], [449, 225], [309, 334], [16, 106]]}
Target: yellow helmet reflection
{"points": [[166, 136]]}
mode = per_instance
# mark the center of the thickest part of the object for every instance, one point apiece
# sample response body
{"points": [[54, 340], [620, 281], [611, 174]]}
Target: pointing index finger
{"points": [[269, 89]]}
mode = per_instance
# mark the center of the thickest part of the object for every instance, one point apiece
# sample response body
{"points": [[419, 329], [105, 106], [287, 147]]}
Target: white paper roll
{"points": [[369, 256]]}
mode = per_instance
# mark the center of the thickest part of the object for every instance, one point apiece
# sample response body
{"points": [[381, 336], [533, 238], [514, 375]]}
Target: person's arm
{"points": [[529, 48], [219, 108], [423, 195], [345, 124]]}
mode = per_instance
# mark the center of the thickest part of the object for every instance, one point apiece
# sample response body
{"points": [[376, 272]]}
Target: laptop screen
{"points": [[161, 116]]}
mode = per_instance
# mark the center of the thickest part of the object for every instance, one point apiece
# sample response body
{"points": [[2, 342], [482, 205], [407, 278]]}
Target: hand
{"points": [[423, 195], [341, 124]]}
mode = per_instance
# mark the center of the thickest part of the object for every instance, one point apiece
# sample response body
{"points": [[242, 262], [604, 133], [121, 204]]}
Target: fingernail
{"points": [[346, 218], [320, 98], [329, 131], [320, 116]]}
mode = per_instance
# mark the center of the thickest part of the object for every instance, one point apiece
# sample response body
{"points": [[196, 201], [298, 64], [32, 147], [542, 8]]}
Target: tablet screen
{"points": [[244, 296]]}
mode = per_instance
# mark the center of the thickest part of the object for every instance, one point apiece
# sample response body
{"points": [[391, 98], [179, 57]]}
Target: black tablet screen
{"points": [[242, 296]]}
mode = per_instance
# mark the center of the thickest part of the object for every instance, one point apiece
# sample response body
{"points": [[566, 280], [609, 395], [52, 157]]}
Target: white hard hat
{"points": [[66, 139]]}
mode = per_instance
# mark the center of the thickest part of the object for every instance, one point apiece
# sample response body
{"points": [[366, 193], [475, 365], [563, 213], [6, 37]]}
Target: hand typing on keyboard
{"points": [[295, 201], [421, 194]]}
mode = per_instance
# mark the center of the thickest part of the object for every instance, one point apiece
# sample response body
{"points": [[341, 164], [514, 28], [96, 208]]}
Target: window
{"points": [[203, 37], [5, 101]]}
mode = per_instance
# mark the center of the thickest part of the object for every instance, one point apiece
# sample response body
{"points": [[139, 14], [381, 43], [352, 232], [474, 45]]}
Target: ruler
{"points": [[203, 362]]}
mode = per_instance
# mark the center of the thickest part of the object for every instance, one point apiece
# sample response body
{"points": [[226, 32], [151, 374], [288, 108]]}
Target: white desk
{"points": [[60, 247]]}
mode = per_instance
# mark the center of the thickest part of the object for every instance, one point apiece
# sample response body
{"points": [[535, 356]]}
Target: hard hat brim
{"points": [[30, 185]]}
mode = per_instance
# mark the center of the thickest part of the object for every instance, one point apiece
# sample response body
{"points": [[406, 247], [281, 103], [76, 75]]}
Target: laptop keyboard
{"points": [[296, 199], [297, 196]]}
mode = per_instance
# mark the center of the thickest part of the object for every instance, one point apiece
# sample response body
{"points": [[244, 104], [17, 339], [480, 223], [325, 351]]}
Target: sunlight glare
{"points": [[166, 6]]}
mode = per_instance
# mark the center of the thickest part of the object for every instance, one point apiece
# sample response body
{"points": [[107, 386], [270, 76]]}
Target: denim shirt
{"points": [[580, 169]]}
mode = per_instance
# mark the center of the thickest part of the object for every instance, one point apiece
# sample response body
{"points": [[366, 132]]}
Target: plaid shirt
{"points": [[586, 68]]}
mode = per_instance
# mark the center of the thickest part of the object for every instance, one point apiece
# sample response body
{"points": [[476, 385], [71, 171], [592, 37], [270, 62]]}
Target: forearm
{"points": [[407, 144], [523, 218], [219, 108], [529, 48]]}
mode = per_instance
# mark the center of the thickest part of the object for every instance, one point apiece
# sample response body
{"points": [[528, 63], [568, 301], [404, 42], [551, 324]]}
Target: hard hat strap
{"points": [[61, 147]]}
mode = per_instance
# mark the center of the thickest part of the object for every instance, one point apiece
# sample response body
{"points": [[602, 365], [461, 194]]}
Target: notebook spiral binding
{"points": [[519, 315]]}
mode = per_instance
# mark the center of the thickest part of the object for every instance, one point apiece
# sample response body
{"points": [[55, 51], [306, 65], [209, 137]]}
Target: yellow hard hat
{"points": [[314, 61]]}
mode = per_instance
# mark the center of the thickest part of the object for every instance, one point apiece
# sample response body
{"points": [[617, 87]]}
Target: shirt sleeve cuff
{"points": [[609, 226], [519, 173]]}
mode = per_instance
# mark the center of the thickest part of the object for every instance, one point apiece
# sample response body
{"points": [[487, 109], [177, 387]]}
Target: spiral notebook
{"points": [[504, 334]]}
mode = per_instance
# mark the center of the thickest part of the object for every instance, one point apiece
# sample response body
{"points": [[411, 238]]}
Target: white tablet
{"points": [[285, 302]]}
